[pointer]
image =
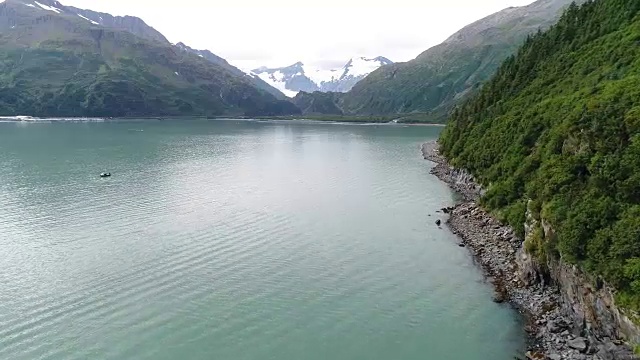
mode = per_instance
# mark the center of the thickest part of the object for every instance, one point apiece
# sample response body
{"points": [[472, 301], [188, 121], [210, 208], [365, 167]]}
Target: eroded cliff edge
{"points": [[569, 316]]}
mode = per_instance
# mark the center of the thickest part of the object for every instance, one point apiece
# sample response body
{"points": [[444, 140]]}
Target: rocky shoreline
{"points": [[499, 251]]}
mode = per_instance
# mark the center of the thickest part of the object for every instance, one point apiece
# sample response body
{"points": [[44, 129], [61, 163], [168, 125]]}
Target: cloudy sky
{"points": [[325, 33]]}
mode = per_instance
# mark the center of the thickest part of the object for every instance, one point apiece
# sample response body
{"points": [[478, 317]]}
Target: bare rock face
{"points": [[592, 307], [529, 269], [589, 302]]}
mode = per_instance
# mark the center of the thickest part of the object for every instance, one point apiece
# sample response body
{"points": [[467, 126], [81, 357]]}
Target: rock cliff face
{"points": [[569, 316], [592, 306], [590, 303]]}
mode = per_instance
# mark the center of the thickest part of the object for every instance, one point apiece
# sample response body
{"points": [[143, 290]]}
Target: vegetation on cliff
{"points": [[558, 127]]}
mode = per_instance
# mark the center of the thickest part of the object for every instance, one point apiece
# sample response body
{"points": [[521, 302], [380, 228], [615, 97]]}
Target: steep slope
{"points": [[139, 28], [215, 59], [54, 62], [300, 77], [211, 57], [131, 24], [317, 103], [556, 134], [438, 78]]}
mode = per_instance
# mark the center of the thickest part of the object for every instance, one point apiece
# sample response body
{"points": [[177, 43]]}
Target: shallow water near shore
{"points": [[235, 240]]}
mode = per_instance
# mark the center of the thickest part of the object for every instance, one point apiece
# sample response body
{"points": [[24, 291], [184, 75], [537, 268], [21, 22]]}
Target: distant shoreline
{"points": [[363, 121], [343, 122], [405, 119]]}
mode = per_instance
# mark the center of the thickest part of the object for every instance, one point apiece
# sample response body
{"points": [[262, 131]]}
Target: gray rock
{"points": [[604, 354], [554, 357], [531, 355], [579, 344], [553, 327]]}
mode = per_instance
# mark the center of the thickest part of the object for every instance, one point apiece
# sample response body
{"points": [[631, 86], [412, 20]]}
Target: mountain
{"points": [[131, 24], [209, 56], [61, 61], [215, 59], [300, 77], [138, 27], [443, 75], [318, 103], [554, 137]]}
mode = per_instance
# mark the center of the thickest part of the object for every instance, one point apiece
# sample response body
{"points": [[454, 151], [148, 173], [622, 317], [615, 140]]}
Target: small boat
{"points": [[105, 175]]}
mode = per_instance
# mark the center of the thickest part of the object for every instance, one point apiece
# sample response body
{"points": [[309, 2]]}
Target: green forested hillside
{"points": [[558, 128], [56, 63], [445, 74], [318, 103]]}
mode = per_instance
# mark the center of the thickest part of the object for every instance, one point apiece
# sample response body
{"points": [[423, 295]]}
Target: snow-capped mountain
{"points": [[300, 77]]}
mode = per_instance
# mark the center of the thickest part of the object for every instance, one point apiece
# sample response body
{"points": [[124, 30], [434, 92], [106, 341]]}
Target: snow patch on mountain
{"points": [[50, 8], [89, 20], [300, 77], [320, 76], [361, 66], [272, 80]]}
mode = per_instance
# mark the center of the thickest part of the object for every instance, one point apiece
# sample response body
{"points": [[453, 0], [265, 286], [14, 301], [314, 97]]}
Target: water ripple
{"points": [[233, 241]]}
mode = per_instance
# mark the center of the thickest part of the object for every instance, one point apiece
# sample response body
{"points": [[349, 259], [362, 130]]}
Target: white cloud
{"points": [[250, 33]]}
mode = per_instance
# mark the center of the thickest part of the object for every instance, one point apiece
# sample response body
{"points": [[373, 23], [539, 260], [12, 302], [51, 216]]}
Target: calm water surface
{"points": [[234, 240]]}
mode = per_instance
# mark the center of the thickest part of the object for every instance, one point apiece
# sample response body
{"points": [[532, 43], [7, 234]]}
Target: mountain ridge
{"points": [[55, 62], [438, 78], [299, 77], [215, 59]]}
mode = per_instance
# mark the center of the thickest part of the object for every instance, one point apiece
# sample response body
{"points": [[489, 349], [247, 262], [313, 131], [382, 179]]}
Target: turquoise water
{"points": [[234, 240]]}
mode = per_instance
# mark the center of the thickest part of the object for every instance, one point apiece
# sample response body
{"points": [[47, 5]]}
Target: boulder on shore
{"points": [[579, 344]]}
